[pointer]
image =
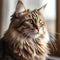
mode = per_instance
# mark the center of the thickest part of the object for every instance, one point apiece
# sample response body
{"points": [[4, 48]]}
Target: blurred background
{"points": [[51, 15]]}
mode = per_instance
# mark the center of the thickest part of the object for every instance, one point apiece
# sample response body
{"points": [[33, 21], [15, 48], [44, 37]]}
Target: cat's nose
{"points": [[37, 27]]}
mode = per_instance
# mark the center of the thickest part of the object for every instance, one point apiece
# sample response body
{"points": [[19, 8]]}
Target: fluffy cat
{"points": [[27, 37]]}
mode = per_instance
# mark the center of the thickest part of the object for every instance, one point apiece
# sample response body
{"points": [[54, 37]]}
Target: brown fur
{"points": [[19, 44]]}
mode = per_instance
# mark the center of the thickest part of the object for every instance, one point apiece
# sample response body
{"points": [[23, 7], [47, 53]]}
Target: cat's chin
{"points": [[36, 36]]}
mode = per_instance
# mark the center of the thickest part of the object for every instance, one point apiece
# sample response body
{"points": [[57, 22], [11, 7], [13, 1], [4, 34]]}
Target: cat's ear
{"points": [[42, 8], [20, 7]]}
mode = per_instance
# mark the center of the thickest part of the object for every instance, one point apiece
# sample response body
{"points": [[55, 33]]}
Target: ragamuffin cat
{"points": [[27, 37]]}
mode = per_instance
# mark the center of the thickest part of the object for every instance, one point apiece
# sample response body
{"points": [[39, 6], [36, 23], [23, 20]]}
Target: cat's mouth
{"points": [[30, 35], [26, 35]]}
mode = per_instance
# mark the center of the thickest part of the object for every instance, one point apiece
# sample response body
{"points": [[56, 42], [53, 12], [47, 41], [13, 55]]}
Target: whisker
{"points": [[27, 35], [55, 33]]}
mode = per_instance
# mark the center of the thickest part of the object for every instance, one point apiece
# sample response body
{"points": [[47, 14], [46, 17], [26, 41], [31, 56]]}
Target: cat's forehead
{"points": [[32, 14]]}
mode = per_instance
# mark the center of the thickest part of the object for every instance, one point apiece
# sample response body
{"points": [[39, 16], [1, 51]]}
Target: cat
{"points": [[27, 37]]}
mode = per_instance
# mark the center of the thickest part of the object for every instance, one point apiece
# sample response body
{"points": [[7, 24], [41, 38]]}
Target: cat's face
{"points": [[28, 23]]}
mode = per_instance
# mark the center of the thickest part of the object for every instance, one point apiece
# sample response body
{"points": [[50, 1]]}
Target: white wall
{"points": [[50, 10], [8, 10]]}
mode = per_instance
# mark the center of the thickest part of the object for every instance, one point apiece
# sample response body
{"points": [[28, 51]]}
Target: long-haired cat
{"points": [[27, 37]]}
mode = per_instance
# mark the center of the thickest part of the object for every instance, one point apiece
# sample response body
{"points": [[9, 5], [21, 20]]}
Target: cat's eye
{"points": [[30, 21], [40, 21], [17, 20], [42, 24]]}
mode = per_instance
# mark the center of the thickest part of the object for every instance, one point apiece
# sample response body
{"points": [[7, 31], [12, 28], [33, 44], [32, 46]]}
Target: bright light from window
{"points": [[50, 11]]}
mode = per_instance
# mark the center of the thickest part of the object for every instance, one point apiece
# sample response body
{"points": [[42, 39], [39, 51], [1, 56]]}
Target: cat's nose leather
{"points": [[37, 27]]}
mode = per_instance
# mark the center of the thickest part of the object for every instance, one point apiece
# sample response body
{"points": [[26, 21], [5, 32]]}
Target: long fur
{"points": [[16, 42], [20, 46]]}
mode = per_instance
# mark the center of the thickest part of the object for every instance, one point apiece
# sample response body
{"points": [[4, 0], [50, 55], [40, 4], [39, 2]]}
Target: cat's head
{"points": [[29, 23]]}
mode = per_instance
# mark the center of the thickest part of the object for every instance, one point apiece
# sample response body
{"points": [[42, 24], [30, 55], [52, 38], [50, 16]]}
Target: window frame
{"points": [[57, 27], [1, 7]]}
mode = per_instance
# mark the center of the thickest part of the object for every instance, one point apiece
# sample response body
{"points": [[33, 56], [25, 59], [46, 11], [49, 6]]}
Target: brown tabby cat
{"points": [[27, 37]]}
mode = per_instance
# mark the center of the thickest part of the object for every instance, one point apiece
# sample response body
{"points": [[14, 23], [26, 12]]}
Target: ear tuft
{"points": [[43, 7]]}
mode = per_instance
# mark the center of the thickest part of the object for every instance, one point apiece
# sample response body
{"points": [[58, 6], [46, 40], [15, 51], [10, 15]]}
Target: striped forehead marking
{"points": [[34, 15]]}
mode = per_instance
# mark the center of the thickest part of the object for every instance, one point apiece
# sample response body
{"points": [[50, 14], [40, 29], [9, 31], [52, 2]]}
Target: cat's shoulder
{"points": [[1, 48], [3, 56], [1, 43]]}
